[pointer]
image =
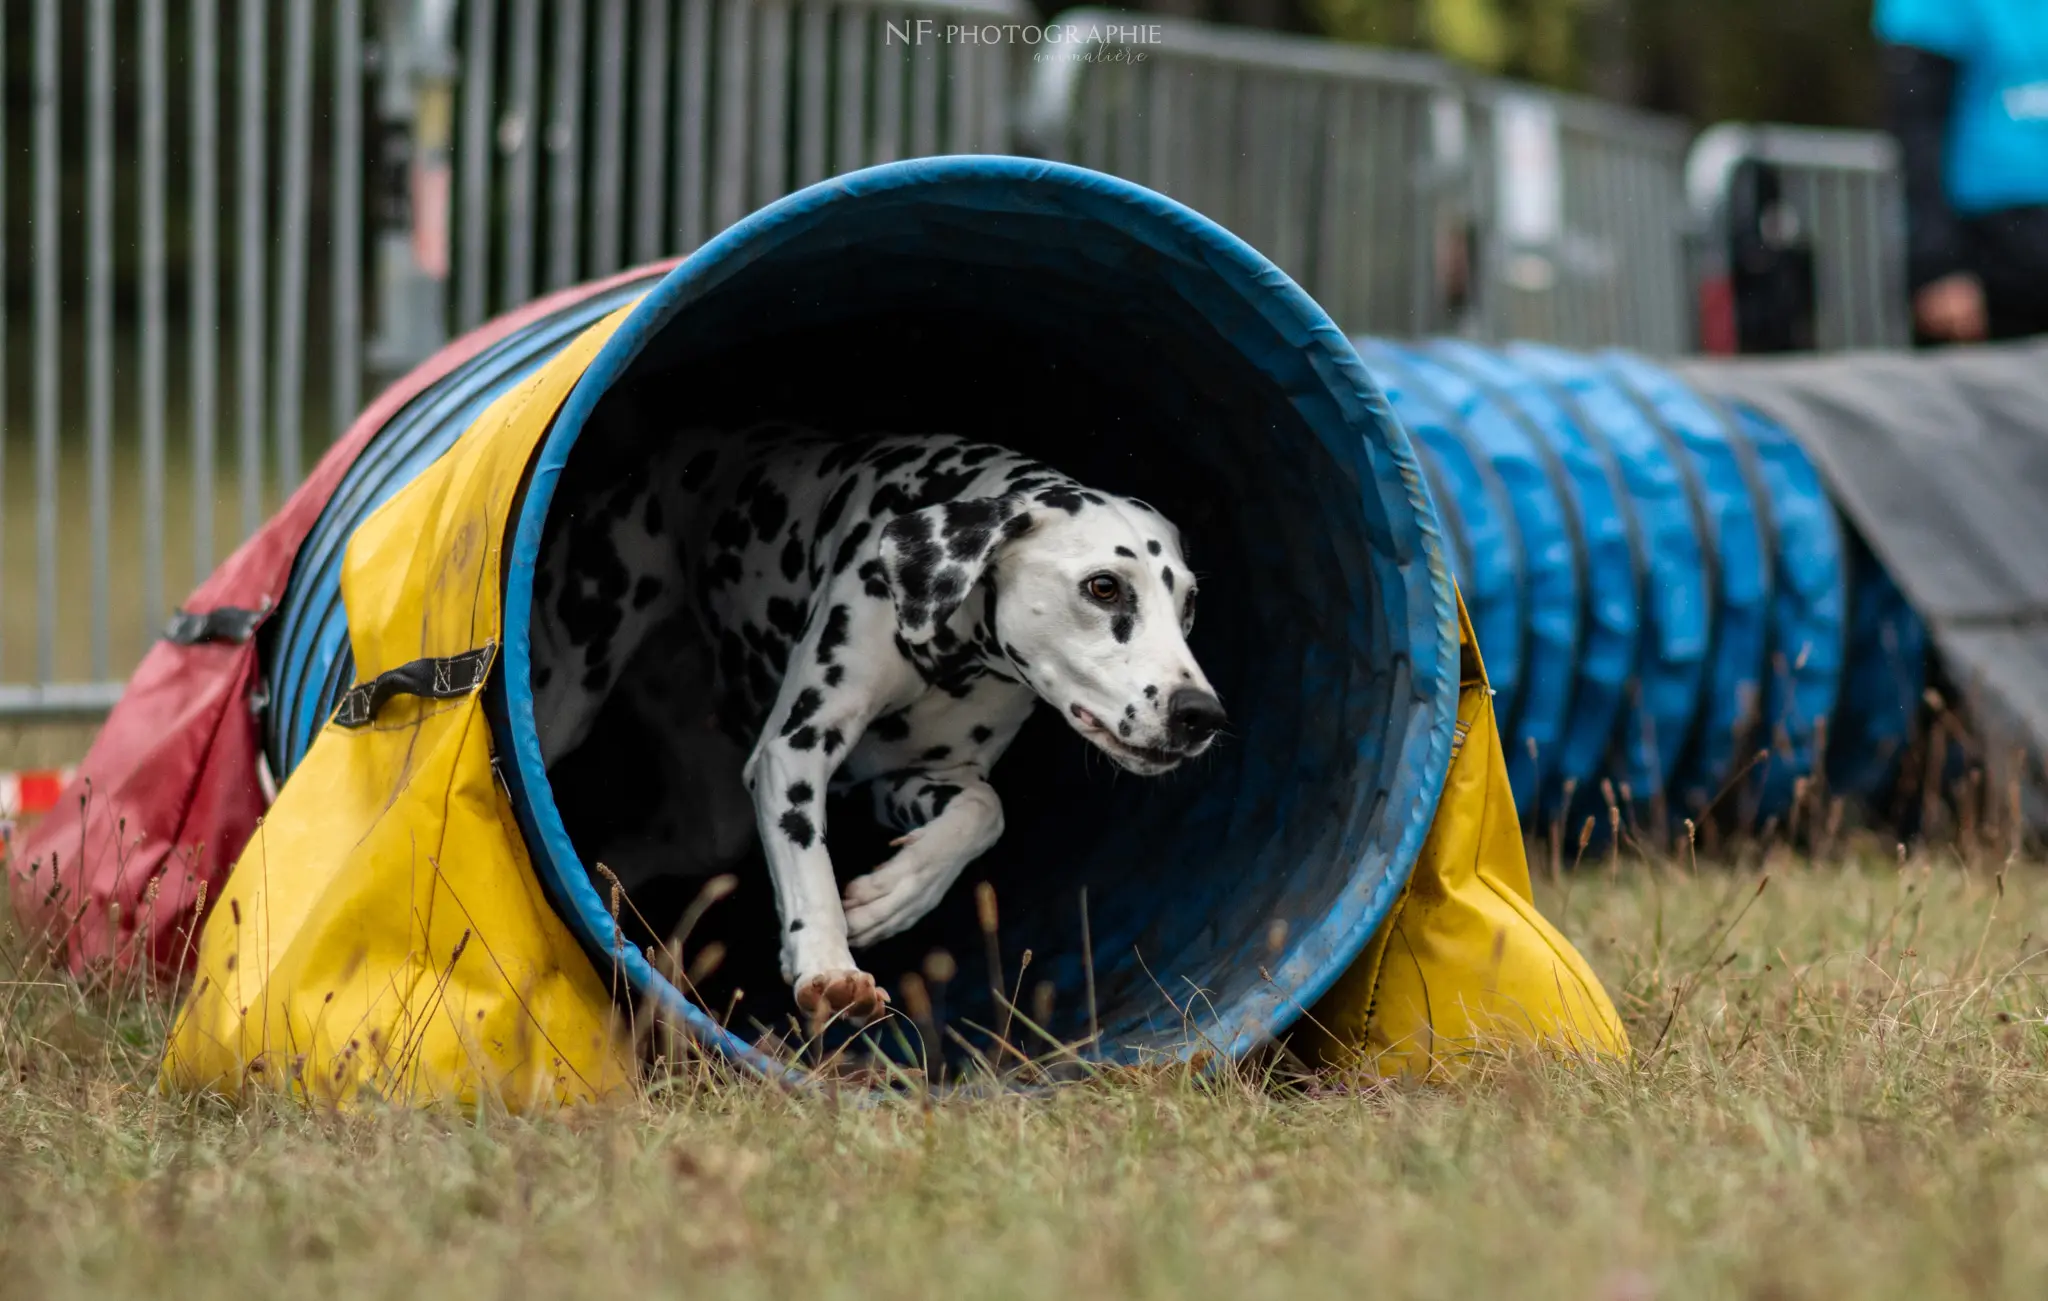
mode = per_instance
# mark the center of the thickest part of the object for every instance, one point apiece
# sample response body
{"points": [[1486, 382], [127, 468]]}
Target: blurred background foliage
{"points": [[1808, 61]]}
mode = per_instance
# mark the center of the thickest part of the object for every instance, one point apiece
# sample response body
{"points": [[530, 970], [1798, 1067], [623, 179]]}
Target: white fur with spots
{"points": [[806, 614]]}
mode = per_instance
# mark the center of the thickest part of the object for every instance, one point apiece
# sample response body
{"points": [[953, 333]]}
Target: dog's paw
{"points": [[852, 996], [886, 902]]}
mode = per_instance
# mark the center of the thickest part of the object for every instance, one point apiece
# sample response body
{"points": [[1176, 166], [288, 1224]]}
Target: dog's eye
{"points": [[1104, 588]]}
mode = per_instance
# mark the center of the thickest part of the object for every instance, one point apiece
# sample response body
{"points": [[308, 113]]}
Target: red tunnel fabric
{"points": [[161, 806]]}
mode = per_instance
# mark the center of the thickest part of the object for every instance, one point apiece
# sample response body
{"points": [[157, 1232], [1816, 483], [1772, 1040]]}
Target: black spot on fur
{"points": [[971, 526], [834, 738], [833, 635], [725, 569], [542, 676], [800, 793], [1153, 546], [786, 616], [936, 753], [798, 828], [890, 499], [1123, 729], [982, 733], [891, 727], [1127, 553], [1017, 526], [802, 709], [1151, 693], [796, 926], [1130, 711], [1143, 506], [835, 675], [978, 453], [1061, 497], [769, 510], [1094, 499], [850, 546], [1166, 577], [834, 507], [732, 531], [1121, 625], [793, 557], [1010, 653], [874, 580], [645, 591], [918, 557], [804, 738]]}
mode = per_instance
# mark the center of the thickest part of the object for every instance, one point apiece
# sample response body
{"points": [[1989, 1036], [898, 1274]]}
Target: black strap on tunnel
{"points": [[229, 623], [446, 678]]}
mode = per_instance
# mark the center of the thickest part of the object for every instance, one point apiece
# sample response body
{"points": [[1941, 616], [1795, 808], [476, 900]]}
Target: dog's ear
{"points": [[932, 558]]}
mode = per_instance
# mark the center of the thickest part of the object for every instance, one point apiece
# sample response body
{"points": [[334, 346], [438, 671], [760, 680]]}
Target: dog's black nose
{"points": [[1193, 716]]}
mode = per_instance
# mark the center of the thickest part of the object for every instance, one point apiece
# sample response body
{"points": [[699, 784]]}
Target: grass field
{"points": [[1839, 1091]]}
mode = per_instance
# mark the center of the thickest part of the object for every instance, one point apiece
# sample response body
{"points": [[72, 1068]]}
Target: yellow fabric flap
{"points": [[1465, 962], [384, 932]]}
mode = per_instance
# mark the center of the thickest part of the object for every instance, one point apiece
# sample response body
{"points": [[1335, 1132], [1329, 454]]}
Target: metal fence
{"points": [[1583, 222], [1407, 197], [224, 222], [1325, 157], [1846, 189]]}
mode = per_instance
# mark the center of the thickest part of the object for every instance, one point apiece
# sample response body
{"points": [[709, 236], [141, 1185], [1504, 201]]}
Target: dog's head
{"points": [[1089, 599]]}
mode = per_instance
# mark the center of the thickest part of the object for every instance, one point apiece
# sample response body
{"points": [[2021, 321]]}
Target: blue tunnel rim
{"points": [[1423, 759]]}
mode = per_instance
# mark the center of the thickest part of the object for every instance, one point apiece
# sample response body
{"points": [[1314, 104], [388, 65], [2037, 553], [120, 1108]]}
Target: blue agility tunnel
{"points": [[1667, 599], [1139, 347]]}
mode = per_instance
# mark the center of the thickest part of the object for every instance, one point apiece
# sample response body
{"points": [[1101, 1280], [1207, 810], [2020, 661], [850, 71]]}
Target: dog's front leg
{"points": [[949, 820], [787, 776]]}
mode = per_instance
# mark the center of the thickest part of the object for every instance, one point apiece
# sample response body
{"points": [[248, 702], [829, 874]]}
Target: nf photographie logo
{"points": [[1080, 42]]}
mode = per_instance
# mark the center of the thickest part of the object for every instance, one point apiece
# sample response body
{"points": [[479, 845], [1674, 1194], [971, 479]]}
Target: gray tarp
{"points": [[1940, 459]]}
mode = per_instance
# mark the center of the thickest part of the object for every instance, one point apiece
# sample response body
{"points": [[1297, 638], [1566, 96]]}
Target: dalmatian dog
{"points": [[885, 610]]}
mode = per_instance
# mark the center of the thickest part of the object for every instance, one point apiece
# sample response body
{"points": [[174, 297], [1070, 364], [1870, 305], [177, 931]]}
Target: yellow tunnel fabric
{"points": [[384, 933], [1465, 964]]}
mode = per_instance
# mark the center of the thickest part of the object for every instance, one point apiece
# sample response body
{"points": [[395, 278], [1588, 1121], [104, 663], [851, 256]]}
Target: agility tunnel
{"points": [[1669, 599], [421, 879]]}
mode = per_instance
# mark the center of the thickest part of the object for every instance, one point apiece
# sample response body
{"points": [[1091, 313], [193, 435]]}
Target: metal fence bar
{"points": [[693, 93], [650, 184], [99, 306], [288, 379], [729, 186], [607, 182], [924, 100], [205, 278], [814, 35], [771, 105], [49, 325], [153, 395], [250, 237], [519, 137], [565, 145], [479, 66], [346, 271], [850, 151], [5, 278], [887, 146]]}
